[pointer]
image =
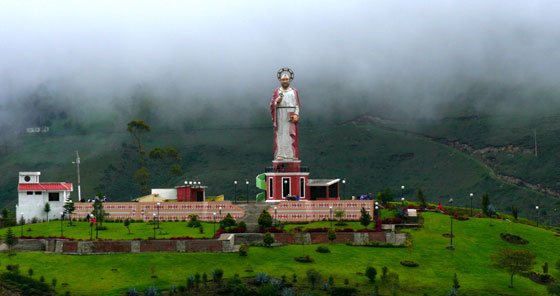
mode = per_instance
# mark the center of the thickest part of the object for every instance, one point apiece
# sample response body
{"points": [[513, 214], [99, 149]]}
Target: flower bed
{"points": [[409, 263]]}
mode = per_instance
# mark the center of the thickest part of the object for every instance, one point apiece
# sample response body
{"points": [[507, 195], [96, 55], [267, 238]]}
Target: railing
{"points": [[302, 169]]}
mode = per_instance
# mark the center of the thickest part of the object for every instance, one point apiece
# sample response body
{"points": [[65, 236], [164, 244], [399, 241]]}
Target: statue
{"points": [[284, 109]]}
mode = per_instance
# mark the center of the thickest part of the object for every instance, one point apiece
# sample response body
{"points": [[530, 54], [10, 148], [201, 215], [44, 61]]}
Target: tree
{"points": [[243, 250], [127, 225], [365, 218], [485, 203], [385, 196], [228, 221], [47, 209], [339, 213], [142, 175], [313, 277], [5, 214], [265, 219], [456, 285], [136, 128], [331, 235], [9, 238], [268, 239], [421, 198], [69, 208], [371, 273], [99, 211], [514, 261]]}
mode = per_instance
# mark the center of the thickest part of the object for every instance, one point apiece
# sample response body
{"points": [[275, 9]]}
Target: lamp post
{"points": [[343, 188], [451, 236], [214, 222], [330, 216], [154, 225], [61, 218], [247, 183], [235, 191], [220, 216], [158, 215], [472, 194], [402, 192], [537, 208], [91, 228], [402, 202], [22, 221], [376, 212], [275, 216], [96, 228]]}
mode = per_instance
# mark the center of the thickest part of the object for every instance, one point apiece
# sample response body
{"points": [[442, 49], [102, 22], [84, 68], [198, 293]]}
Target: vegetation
{"points": [[514, 261], [371, 273], [265, 219], [365, 217], [268, 239]]}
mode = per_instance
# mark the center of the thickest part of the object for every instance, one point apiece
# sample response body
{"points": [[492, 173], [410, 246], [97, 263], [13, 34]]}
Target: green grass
{"points": [[81, 230], [475, 241]]}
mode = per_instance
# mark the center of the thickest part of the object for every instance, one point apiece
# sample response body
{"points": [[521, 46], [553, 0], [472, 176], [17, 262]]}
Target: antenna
{"points": [[536, 150], [77, 162]]}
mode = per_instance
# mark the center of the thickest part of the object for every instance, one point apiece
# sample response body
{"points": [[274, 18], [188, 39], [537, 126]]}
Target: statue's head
{"points": [[285, 80]]}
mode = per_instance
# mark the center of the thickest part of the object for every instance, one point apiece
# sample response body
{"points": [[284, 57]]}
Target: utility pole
{"points": [[536, 151], [77, 162]]}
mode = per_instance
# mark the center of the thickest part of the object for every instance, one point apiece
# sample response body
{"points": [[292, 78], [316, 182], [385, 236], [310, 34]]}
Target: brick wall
{"points": [[319, 210]]}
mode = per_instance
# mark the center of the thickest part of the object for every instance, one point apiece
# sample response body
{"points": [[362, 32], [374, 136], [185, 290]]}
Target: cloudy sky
{"points": [[412, 53]]}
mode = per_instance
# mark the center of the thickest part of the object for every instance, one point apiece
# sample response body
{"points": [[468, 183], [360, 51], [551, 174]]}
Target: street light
{"points": [[22, 221], [91, 227], [214, 223], [247, 183], [96, 228], [220, 217], [376, 212], [235, 191], [343, 188], [402, 192], [402, 202], [537, 208], [330, 210], [275, 216], [472, 194], [158, 215], [154, 225], [61, 218], [451, 218]]}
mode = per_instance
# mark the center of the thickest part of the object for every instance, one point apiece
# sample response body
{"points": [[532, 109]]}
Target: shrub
{"points": [[54, 282], [261, 278], [545, 267], [268, 290], [265, 220], [513, 239], [193, 221], [152, 291], [13, 268], [343, 291], [313, 277], [242, 224], [268, 239], [228, 221], [331, 235], [132, 292], [371, 273], [287, 292], [409, 263], [553, 289], [235, 286], [217, 275], [331, 281], [304, 259], [322, 249], [42, 279], [243, 249], [294, 278], [30, 272]]}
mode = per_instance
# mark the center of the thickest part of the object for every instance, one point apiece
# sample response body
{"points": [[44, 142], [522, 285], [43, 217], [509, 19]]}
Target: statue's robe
{"points": [[285, 131]]}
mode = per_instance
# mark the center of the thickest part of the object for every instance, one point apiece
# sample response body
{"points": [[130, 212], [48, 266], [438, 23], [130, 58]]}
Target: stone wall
{"points": [[356, 238]]}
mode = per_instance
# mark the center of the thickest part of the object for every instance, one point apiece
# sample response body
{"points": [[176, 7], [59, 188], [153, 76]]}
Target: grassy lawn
{"points": [[81, 230], [475, 240]]}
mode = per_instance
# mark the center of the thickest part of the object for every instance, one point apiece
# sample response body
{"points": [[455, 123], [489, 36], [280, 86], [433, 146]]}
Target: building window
{"points": [[302, 187], [29, 192], [27, 178], [38, 193], [270, 188], [286, 187], [54, 196]]}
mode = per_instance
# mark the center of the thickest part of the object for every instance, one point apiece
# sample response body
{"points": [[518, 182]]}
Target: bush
{"points": [[228, 221], [409, 263], [261, 278], [322, 249], [371, 273], [313, 277], [217, 275], [236, 286], [304, 259], [243, 249], [242, 224], [152, 291], [132, 292], [268, 239], [193, 221], [344, 291], [265, 220], [331, 235], [268, 290]]}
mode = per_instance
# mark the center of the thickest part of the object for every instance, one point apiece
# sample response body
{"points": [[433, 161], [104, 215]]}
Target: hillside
{"points": [[371, 158], [475, 241]]}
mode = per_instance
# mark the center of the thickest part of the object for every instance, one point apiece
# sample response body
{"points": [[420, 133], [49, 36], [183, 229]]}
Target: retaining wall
{"points": [[319, 210]]}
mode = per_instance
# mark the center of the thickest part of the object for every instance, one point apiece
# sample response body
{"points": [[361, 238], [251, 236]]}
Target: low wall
{"points": [[319, 210], [356, 238], [167, 210]]}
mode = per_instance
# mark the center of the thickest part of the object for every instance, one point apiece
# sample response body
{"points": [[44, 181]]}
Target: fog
{"points": [[220, 58]]}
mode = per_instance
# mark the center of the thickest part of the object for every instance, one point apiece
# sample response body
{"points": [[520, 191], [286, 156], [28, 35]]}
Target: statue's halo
{"points": [[283, 70]]}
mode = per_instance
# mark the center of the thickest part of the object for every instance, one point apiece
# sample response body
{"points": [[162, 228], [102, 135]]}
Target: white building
{"points": [[33, 195]]}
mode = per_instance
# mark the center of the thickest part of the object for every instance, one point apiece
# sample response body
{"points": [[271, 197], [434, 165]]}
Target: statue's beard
{"points": [[285, 85]]}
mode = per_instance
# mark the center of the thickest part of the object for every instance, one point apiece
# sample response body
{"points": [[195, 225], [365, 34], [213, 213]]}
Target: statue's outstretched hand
{"points": [[295, 118]]}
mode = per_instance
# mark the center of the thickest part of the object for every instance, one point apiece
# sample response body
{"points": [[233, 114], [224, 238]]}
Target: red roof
{"points": [[46, 186]]}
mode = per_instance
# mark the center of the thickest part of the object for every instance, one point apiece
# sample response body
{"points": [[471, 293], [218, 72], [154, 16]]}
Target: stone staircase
{"points": [[252, 212]]}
